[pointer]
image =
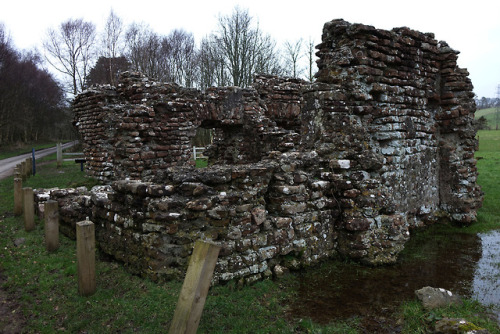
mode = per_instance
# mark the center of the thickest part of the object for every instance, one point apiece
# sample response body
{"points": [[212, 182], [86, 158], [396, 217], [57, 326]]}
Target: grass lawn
{"points": [[488, 165], [484, 112], [201, 163], [490, 115], [46, 287]]}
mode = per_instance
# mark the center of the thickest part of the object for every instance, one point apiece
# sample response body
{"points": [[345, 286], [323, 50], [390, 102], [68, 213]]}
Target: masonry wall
{"points": [[381, 143], [395, 106], [142, 127], [267, 217]]}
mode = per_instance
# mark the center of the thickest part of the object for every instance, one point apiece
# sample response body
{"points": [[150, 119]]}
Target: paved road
{"points": [[7, 165]]}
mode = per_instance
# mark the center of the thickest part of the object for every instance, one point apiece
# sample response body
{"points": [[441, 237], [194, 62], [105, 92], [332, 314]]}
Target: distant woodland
{"points": [[32, 102]]}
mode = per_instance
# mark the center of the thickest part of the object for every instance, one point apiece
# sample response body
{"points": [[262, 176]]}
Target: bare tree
{"points": [[70, 50], [242, 49], [268, 59], [167, 58], [312, 67], [5, 45], [211, 65], [292, 56], [8, 97], [112, 42], [143, 49], [180, 58]]}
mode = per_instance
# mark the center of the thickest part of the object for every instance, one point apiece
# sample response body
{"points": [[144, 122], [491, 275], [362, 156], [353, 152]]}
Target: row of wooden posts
{"points": [[198, 277], [85, 231]]}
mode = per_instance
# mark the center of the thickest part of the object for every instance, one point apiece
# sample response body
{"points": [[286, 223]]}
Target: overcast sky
{"points": [[471, 27]]}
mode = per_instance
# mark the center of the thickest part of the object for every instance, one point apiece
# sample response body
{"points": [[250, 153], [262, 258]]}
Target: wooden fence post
{"points": [[25, 165], [51, 213], [85, 254], [29, 168], [59, 155], [29, 209], [195, 288], [18, 196], [23, 170]]}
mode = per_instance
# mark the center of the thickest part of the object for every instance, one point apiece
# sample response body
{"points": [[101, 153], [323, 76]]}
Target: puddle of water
{"points": [[463, 263], [486, 283]]}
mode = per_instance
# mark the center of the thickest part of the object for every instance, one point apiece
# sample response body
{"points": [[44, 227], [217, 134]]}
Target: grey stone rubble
{"points": [[381, 143], [432, 298], [457, 326]]}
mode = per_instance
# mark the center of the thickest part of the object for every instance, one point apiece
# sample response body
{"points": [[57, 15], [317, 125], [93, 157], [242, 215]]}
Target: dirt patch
{"points": [[11, 318]]}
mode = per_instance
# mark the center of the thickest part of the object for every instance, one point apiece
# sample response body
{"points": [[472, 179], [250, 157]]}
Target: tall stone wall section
{"points": [[396, 109], [95, 121], [381, 143]]}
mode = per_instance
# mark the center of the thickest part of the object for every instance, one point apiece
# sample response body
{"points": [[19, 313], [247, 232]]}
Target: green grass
{"points": [[201, 163], [68, 176], [419, 320], [345, 327], [488, 165], [490, 115], [484, 112], [45, 283]]}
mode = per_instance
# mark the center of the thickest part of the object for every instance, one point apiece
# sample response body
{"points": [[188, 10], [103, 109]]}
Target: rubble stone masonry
{"points": [[382, 142]]}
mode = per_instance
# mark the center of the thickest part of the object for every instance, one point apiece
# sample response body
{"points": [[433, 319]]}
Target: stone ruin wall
{"points": [[381, 143], [143, 127]]}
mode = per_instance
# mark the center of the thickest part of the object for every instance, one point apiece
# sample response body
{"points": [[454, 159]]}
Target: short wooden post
{"points": [[29, 209], [23, 170], [195, 288], [18, 196], [26, 167], [29, 168], [51, 213], [85, 254], [59, 155], [17, 171]]}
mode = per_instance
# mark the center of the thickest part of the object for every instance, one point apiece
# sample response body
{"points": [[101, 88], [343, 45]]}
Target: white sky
{"points": [[471, 27]]}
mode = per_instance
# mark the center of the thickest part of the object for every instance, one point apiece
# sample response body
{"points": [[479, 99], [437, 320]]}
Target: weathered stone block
{"points": [[291, 209], [199, 204], [259, 215], [358, 224]]}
